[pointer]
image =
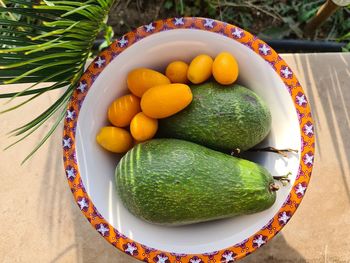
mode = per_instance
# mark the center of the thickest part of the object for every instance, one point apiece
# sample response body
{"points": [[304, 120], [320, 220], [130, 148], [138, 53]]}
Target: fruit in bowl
{"points": [[176, 182], [223, 117], [91, 169]]}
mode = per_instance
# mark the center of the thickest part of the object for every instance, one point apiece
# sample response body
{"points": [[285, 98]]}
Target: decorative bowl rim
{"points": [[236, 251]]}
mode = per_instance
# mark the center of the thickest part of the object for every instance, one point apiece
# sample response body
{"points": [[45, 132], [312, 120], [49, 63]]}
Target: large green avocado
{"points": [[220, 117], [176, 182]]}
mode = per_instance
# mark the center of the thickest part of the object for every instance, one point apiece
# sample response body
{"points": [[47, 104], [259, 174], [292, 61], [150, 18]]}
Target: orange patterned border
{"points": [[236, 251]]}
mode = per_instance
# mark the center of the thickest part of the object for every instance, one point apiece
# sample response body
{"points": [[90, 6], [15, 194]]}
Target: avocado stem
{"points": [[282, 152], [235, 152], [283, 178], [274, 187]]}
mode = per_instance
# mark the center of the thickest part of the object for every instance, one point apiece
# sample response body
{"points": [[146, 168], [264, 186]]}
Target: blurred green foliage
{"points": [[266, 18]]}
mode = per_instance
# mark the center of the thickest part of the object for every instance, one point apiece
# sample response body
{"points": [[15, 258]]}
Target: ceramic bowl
{"points": [[90, 169]]}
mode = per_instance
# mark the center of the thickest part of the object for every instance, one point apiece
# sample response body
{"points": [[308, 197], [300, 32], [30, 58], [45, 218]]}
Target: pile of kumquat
{"points": [[134, 117]]}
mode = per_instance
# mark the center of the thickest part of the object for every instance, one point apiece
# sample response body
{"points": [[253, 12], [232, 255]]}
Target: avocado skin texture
{"points": [[220, 117], [175, 182]]}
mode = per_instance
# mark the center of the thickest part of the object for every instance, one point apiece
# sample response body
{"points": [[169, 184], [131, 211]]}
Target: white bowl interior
{"points": [[97, 166]]}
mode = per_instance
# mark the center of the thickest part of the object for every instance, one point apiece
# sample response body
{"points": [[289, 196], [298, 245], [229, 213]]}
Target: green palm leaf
{"points": [[46, 41]]}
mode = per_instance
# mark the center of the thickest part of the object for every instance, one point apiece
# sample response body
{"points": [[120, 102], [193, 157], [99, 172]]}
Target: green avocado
{"points": [[176, 182], [220, 117]]}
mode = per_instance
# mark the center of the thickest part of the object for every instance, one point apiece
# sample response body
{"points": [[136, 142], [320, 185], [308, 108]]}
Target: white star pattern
{"points": [[148, 248], [83, 204], [102, 229], [301, 99], [300, 172], [82, 87], [130, 249], [242, 244], [309, 129], [178, 255], [123, 42], [209, 23], [70, 173], [308, 159], [264, 49], [286, 72], [100, 61], [228, 257], [70, 115], [269, 224], [300, 116], [284, 218], [67, 143], [179, 21], [211, 253], [195, 260], [287, 200], [162, 259], [259, 241], [149, 27], [300, 189], [237, 33]]}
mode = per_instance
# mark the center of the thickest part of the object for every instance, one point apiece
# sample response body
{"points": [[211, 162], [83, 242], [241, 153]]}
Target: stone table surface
{"points": [[40, 221]]}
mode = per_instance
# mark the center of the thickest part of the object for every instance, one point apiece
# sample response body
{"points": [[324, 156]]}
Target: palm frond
{"points": [[46, 41]]}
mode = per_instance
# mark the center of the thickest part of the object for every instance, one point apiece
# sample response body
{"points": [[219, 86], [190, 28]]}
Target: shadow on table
{"points": [[333, 98], [87, 245], [90, 247], [55, 199], [276, 250]]}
